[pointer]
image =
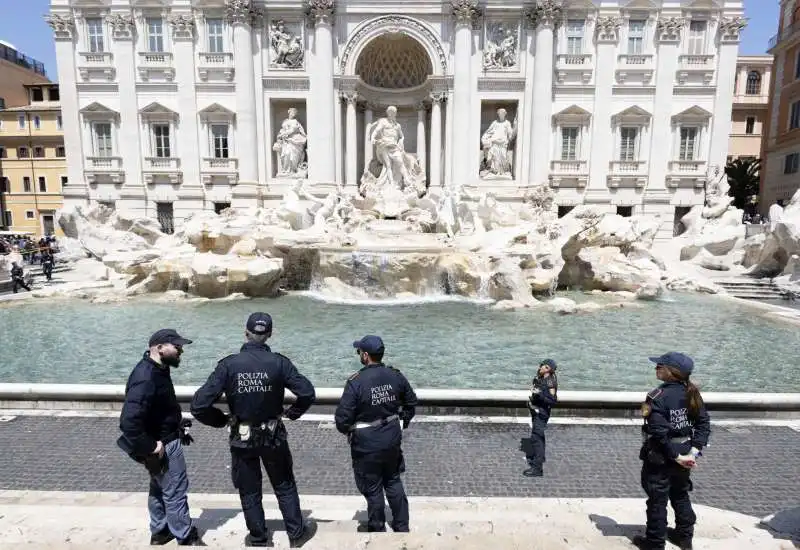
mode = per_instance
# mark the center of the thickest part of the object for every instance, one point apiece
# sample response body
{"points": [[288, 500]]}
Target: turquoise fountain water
{"points": [[438, 345]]}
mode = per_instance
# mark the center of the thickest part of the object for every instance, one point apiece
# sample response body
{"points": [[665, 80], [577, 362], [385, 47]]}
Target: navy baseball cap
{"points": [[168, 336], [550, 363], [371, 344], [259, 323], [677, 360]]}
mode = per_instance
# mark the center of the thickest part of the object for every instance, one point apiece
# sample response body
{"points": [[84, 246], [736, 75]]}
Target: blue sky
{"points": [[24, 27]]}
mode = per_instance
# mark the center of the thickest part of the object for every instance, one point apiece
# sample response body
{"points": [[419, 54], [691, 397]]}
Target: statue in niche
{"points": [[290, 145], [498, 153], [500, 51], [287, 47], [393, 175]]}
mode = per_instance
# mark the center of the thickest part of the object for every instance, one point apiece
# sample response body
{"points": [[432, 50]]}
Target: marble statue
{"points": [[398, 169], [500, 51], [493, 214], [498, 155], [287, 47], [293, 210], [290, 145]]}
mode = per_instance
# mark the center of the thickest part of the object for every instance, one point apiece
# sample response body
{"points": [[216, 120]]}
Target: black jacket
{"points": [[253, 381], [666, 417], [16, 272], [151, 411], [374, 393]]}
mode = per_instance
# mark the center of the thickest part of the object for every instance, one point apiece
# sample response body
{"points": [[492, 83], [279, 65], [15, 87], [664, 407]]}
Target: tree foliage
{"points": [[743, 177]]}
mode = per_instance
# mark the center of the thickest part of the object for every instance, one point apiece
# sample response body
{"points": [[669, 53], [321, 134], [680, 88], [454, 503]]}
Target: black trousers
{"points": [[48, 271], [18, 282], [375, 474], [537, 458], [246, 475], [662, 483]]}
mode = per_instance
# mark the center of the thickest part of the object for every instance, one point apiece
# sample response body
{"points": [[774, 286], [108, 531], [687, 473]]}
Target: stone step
{"points": [[56, 520]]}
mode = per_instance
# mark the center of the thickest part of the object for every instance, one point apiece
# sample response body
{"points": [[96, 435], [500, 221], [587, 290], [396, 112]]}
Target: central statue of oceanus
{"points": [[393, 176]]}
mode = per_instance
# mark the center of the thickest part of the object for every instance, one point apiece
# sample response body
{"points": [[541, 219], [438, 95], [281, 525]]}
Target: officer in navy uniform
{"points": [[253, 381], [375, 401], [544, 394], [676, 428]]}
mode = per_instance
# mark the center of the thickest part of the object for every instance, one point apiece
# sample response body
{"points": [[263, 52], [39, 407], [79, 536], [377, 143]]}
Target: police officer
{"points": [[370, 414], [544, 394], [676, 428], [253, 381], [153, 435], [17, 278], [47, 264]]}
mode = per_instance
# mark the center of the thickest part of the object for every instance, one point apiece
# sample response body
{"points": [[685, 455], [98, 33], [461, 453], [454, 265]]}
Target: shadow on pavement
{"points": [[610, 528], [784, 525]]}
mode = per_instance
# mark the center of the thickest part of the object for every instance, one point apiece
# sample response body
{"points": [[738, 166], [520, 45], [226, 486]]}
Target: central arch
{"points": [[394, 62], [387, 27]]}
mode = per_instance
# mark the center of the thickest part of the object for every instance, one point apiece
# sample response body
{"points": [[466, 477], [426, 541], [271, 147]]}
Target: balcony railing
{"points": [[217, 164], [155, 59], [100, 59], [574, 60], [162, 163], [631, 167], [784, 34], [568, 166], [687, 167], [696, 61], [216, 59], [635, 60], [104, 163]]}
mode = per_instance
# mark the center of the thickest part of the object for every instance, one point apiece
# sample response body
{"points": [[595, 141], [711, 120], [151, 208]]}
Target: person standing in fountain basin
{"points": [[253, 381], [676, 428], [544, 394], [370, 414], [153, 434]]}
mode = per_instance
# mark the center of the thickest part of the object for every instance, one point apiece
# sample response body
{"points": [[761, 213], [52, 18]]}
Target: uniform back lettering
{"points": [[679, 419], [252, 382], [382, 394]]}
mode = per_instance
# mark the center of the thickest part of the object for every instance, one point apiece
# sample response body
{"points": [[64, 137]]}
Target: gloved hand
{"points": [[687, 461], [695, 452], [186, 438]]}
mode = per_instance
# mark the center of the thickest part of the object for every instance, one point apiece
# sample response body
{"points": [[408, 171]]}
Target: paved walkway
{"points": [[90, 520], [752, 470]]}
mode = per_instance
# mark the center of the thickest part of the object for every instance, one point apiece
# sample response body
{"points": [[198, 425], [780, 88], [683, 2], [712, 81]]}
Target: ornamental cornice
{"points": [[320, 11], [668, 29], [123, 25], [63, 25], [241, 12], [607, 28], [546, 13], [182, 26], [466, 12], [730, 28]]}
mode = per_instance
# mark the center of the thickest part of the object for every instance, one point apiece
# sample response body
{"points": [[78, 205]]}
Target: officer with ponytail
{"points": [[676, 428]]}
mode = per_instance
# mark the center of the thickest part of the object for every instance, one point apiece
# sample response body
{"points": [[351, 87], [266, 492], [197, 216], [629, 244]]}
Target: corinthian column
{"points": [[321, 123], [367, 142], [465, 12], [240, 18], [543, 19], [421, 136], [350, 169], [435, 176]]}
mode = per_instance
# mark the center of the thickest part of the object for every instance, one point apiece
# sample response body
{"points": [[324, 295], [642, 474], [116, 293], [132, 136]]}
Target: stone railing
{"points": [[162, 163], [104, 163], [155, 59], [687, 166], [574, 59], [696, 61], [213, 163], [99, 59], [569, 166], [216, 59], [628, 166], [635, 60], [435, 398]]}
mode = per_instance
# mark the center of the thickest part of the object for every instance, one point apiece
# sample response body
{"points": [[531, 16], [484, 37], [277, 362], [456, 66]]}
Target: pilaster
{"points": [[183, 33], [464, 12], [727, 55], [322, 100]]}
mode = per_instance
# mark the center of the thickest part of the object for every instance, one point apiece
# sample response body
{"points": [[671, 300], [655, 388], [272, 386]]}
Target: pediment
{"points": [[641, 5], [574, 110], [156, 108], [96, 108], [579, 5], [692, 113], [633, 111], [217, 109], [702, 5]]}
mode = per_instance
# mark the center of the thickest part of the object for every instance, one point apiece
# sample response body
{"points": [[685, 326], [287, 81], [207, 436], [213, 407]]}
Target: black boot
{"points": [[641, 542], [309, 530], [162, 537], [533, 471], [193, 539], [266, 542], [683, 543]]}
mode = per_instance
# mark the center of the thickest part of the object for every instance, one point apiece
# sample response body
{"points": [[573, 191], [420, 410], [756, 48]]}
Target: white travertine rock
{"points": [[562, 305]]}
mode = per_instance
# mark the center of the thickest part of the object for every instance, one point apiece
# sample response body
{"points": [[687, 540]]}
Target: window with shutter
{"points": [[569, 143]]}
